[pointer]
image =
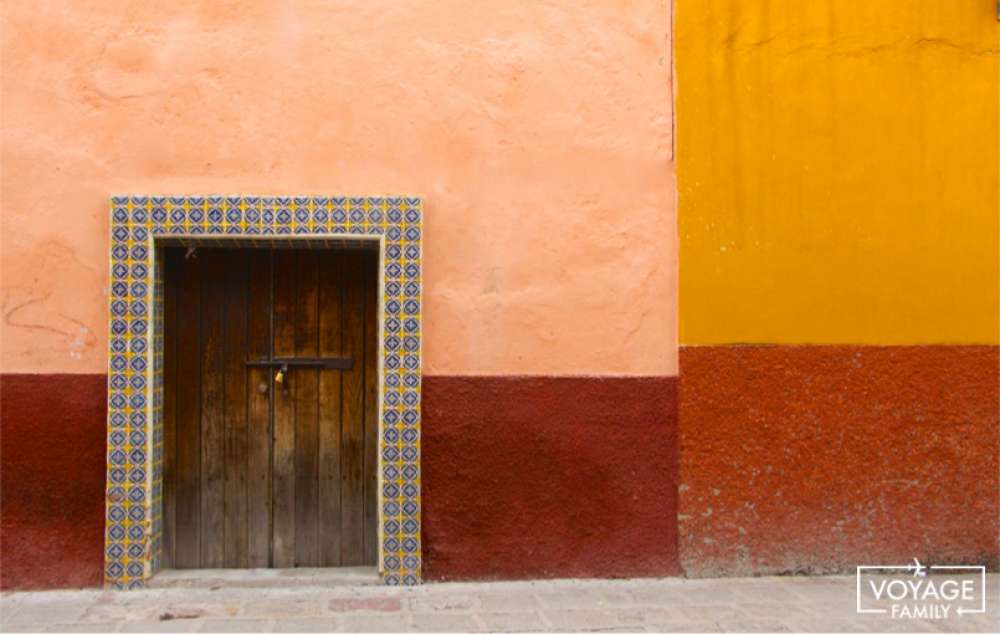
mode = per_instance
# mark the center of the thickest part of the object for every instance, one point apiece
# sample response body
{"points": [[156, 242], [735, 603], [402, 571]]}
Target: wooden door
{"points": [[260, 473]]}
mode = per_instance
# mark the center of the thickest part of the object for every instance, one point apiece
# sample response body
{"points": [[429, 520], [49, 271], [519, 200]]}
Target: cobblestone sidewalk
{"points": [[759, 604]]}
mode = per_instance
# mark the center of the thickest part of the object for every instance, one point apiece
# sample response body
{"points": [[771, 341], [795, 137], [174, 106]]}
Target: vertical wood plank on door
{"points": [[235, 338], [171, 268], [330, 328], [352, 417], [187, 548], [305, 384], [371, 410], [260, 384], [213, 407], [283, 448]]}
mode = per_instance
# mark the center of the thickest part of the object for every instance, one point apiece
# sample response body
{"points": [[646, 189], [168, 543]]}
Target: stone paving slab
{"points": [[767, 604]]}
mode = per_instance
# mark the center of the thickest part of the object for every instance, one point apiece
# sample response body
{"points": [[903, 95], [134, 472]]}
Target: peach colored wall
{"points": [[539, 135]]}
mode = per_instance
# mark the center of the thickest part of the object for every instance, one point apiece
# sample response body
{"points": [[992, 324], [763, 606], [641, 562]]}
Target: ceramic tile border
{"points": [[140, 227]]}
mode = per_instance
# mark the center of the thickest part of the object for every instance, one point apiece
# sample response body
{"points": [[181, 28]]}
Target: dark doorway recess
{"points": [[261, 470]]}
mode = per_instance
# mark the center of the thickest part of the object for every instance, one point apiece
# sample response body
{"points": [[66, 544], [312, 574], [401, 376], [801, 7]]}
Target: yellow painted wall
{"points": [[837, 168]]}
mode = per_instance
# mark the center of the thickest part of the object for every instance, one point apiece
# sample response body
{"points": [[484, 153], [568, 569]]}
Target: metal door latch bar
{"points": [[325, 363]]}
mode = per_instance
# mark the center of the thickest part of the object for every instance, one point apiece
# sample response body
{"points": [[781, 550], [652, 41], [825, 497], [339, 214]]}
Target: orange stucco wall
{"points": [[539, 136]]}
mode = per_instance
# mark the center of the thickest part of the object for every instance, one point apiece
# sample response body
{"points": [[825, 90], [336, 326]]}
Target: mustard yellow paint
{"points": [[838, 171]]}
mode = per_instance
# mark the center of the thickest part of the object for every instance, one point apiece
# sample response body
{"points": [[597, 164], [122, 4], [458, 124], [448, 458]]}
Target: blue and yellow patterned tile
{"points": [[135, 354]]}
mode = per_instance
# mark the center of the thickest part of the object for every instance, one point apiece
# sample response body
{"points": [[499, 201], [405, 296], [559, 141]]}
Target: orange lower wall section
{"points": [[820, 458]]}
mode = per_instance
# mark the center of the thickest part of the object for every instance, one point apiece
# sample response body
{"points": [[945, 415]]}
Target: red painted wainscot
{"points": [[52, 470], [532, 477], [522, 477], [817, 459]]}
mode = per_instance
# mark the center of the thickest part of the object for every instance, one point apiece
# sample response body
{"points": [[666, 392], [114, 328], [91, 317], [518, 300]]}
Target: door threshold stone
{"points": [[265, 577]]}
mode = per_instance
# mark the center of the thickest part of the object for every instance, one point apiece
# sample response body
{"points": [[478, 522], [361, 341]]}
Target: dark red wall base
{"points": [[52, 467], [529, 477], [522, 477], [793, 459], [817, 459]]}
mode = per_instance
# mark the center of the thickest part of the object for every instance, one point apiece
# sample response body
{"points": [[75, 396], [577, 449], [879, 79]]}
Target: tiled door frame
{"points": [[140, 227]]}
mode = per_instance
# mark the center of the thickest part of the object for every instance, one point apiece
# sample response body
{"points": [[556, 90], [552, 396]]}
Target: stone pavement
{"points": [[709, 605]]}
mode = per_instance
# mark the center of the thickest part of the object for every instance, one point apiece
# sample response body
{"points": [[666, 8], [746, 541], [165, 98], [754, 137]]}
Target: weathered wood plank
{"points": [[371, 410], [172, 271], [235, 347], [283, 448], [305, 383], [330, 328], [213, 423], [352, 417], [187, 549], [260, 384]]}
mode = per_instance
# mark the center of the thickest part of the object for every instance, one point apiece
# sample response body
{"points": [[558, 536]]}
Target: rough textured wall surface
{"points": [[837, 184], [549, 477], [522, 477], [821, 458], [52, 467], [538, 134], [837, 171]]}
